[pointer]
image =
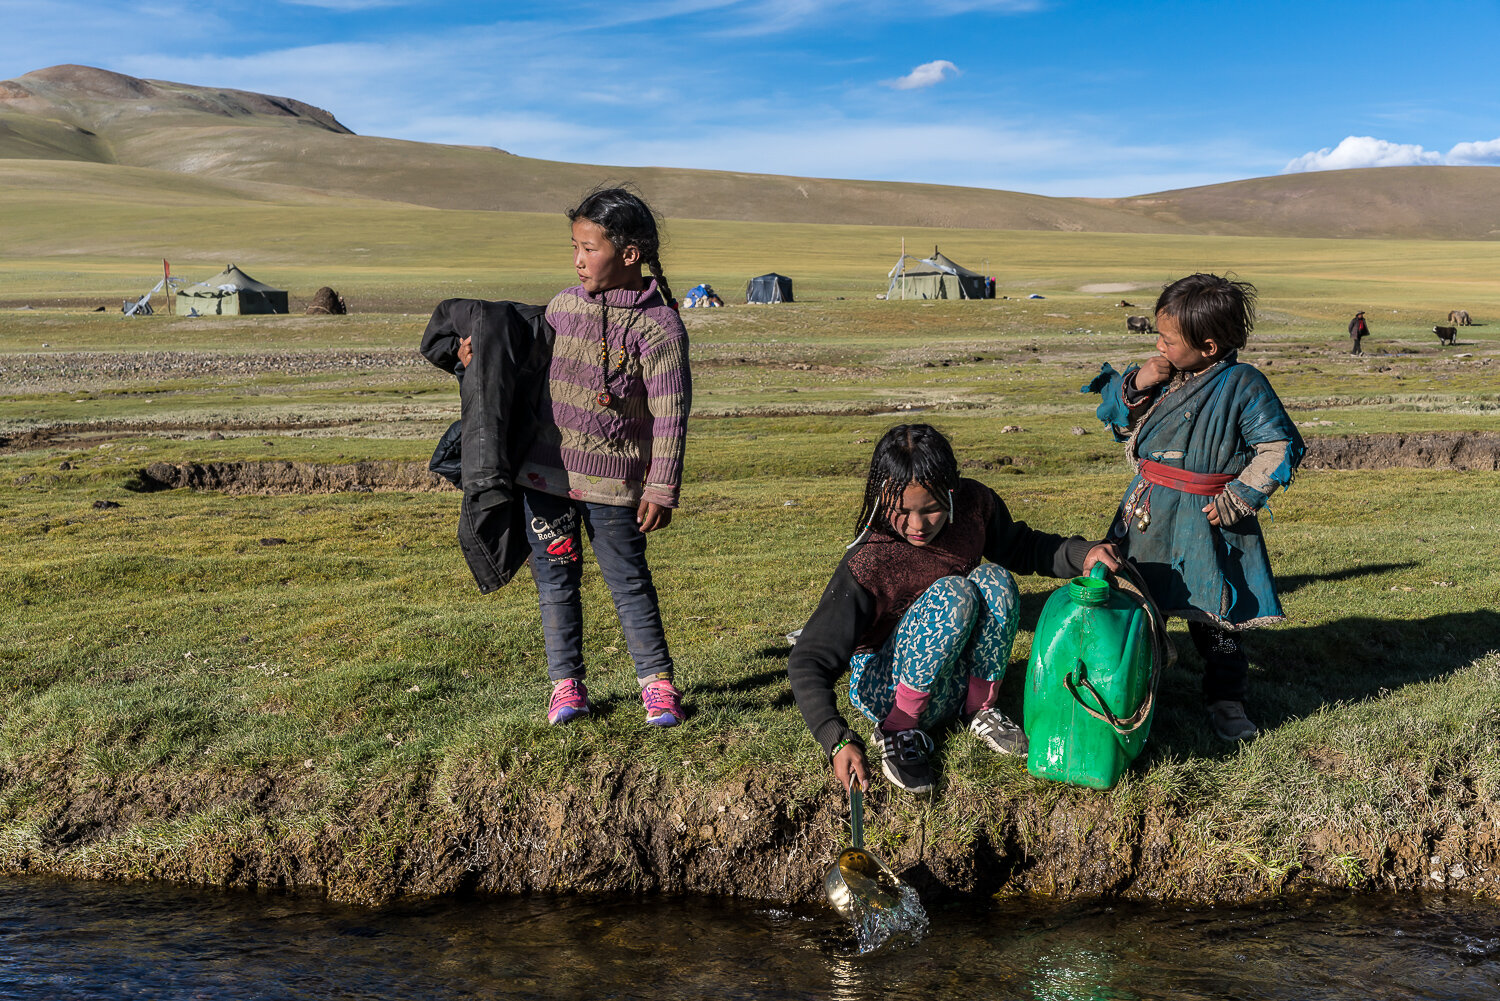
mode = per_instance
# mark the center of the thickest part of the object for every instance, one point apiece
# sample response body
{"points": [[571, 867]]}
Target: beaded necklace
{"points": [[605, 398]]}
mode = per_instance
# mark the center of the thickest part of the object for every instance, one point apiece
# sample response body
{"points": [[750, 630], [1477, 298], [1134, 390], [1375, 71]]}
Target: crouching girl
{"points": [[923, 627]]}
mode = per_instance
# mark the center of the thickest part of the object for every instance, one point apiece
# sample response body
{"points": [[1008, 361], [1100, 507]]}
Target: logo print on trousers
{"points": [[562, 549]]}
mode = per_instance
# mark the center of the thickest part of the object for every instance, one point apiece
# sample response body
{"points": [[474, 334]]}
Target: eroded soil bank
{"points": [[627, 830], [1425, 450], [1431, 450], [1422, 450], [276, 477], [88, 433]]}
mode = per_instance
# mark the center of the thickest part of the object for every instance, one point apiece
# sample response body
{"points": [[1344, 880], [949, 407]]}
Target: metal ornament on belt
{"points": [[1138, 506]]}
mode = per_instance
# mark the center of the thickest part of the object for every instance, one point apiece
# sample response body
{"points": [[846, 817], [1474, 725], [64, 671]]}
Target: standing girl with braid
{"points": [[610, 464], [923, 627]]}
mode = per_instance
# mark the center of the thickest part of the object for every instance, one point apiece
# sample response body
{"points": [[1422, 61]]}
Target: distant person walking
{"points": [[609, 462], [1358, 330]]}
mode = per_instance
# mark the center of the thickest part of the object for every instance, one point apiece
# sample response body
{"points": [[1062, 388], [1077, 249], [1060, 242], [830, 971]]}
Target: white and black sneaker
{"points": [[903, 758], [998, 732]]}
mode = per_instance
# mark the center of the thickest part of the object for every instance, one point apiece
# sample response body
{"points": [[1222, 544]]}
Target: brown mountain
{"points": [[1449, 203], [233, 136]]}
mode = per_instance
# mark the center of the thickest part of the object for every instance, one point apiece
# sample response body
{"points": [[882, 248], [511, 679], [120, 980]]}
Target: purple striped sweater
{"points": [[631, 449]]}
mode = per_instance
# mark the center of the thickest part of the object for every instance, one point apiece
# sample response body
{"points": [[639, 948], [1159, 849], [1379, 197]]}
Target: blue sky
{"points": [[1057, 97]]}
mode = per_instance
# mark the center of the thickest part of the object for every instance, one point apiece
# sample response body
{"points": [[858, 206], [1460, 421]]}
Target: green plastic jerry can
{"points": [[1088, 683]]}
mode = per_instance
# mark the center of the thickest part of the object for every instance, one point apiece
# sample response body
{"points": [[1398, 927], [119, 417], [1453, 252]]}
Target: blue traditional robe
{"points": [[1211, 422]]}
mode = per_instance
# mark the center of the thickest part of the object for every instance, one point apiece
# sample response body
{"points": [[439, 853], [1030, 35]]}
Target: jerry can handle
{"points": [[1162, 655], [1124, 727]]}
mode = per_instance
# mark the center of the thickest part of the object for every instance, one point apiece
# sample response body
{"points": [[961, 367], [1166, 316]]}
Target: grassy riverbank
{"points": [[260, 687]]}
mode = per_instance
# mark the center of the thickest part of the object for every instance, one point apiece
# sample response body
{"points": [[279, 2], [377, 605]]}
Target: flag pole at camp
{"points": [[166, 283]]}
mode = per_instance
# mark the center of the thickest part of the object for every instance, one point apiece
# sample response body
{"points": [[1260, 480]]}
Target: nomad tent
{"points": [[935, 277], [230, 293], [769, 288]]}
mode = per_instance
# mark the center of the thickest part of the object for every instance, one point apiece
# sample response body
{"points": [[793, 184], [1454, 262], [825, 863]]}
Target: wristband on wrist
{"points": [[840, 746]]}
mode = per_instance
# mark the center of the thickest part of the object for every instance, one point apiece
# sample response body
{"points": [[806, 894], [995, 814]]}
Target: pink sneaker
{"points": [[663, 703], [569, 698]]}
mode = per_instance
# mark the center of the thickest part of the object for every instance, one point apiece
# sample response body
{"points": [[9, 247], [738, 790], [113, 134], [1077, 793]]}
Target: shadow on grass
{"points": [[763, 681], [1359, 658], [1297, 670], [1293, 582]]}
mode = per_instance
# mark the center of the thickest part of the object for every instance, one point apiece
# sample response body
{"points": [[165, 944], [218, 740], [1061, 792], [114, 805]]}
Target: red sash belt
{"points": [[1202, 484]]}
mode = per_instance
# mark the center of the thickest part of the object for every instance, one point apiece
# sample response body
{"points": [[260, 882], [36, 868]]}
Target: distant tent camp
{"points": [[230, 293], [935, 277], [769, 288]]}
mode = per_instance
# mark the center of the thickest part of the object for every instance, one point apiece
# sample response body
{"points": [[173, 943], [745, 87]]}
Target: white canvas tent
{"points": [[230, 293], [935, 277]]}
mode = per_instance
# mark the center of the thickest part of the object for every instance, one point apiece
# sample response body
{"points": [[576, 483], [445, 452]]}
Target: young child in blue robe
{"points": [[1211, 442]]}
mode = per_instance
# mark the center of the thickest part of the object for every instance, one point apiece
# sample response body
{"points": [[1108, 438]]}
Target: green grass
{"points": [[162, 643]]}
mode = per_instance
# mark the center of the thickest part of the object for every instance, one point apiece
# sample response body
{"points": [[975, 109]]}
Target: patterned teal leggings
{"points": [[960, 626]]}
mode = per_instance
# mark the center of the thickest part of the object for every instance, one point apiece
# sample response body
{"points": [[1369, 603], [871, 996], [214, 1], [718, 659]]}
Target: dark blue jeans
{"points": [[552, 528]]}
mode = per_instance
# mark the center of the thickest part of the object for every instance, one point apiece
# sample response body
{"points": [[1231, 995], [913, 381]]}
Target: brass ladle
{"points": [[859, 880]]}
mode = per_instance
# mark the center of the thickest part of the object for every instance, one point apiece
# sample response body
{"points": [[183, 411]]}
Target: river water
{"points": [[63, 940]]}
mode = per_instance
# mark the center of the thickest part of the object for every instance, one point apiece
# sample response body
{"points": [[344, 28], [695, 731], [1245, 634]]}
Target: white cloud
{"points": [[388, 88], [1367, 151], [1363, 151], [435, 84], [752, 18], [961, 153], [758, 17], [926, 75], [1472, 153], [996, 6], [508, 132], [347, 6]]}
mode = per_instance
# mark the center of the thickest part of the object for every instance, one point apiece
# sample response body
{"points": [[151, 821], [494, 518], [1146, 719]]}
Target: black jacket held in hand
{"points": [[504, 394]]}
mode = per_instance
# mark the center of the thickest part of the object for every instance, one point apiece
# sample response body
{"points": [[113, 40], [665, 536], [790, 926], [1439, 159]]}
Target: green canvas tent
{"points": [[230, 293], [934, 277]]}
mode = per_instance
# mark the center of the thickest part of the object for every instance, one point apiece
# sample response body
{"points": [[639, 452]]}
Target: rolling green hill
{"points": [[281, 149]]}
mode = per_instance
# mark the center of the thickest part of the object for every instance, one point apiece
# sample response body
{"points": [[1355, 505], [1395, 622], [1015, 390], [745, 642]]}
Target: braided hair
{"points": [[907, 454], [627, 221]]}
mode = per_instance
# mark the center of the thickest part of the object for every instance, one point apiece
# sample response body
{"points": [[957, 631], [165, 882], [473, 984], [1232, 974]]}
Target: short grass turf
{"points": [[174, 634]]}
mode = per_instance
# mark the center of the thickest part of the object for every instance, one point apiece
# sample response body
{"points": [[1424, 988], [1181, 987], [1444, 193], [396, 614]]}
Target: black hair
{"points": [[1210, 307], [627, 221], [907, 454]]}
